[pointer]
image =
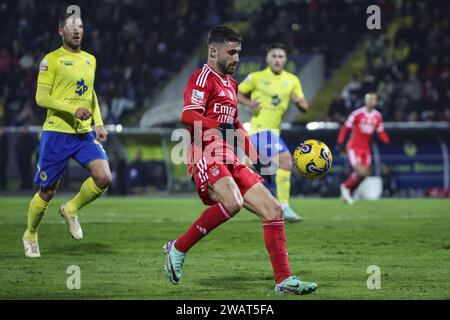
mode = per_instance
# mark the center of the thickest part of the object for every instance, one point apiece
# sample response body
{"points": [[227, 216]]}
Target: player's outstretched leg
{"points": [[92, 188], [36, 211], [259, 201], [230, 201], [174, 262], [73, 225]]}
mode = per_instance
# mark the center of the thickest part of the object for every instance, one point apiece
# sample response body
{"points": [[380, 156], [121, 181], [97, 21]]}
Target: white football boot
{"points": [[72, 222], [346, 195], [31, 248]]}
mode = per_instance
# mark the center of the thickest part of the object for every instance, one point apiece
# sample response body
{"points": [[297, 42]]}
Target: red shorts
{"points": [[359, 157], [213, 171]]}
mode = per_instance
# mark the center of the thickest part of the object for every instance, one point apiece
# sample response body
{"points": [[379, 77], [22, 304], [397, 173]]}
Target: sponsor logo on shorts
{"points": [[43, 175]]}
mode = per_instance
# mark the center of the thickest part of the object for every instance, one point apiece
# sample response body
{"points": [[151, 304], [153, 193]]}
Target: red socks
{"points": [[275, 241], [274, 237], [352, 182], [210, 219]]}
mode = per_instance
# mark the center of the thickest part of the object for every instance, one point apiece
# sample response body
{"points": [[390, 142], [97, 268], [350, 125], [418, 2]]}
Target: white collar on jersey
{"points": [[225, 82]]}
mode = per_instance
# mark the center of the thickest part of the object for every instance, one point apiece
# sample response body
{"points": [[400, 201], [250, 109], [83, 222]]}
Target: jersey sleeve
{"points": [[297, 89], [247, 85], [380, 125], [96, 114], [350, 120], [196, 93], [47, 71]]}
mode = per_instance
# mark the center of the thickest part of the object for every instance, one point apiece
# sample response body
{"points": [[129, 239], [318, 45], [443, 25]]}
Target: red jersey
{"points": [[213, 96], [363, 124]]}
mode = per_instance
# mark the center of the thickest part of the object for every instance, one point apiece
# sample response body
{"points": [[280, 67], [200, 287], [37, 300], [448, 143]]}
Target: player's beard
{"points": [[72, 44], [226, 69]]}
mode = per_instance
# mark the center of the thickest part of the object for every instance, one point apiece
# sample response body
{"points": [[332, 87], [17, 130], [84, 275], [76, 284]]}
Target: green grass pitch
{"points": [[121, 254]]}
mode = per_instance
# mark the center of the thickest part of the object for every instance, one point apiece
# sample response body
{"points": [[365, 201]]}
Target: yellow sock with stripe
{"points": [[36, 211], [283, 181], [89, 191]]}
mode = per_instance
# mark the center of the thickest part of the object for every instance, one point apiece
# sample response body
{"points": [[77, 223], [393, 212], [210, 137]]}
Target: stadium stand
{"points": [[139, 45], [408, 66]]}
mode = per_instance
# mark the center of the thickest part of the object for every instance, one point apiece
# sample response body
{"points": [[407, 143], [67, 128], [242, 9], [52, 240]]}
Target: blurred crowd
{"points": [[139, 45], [409, 69], [332, 28]]}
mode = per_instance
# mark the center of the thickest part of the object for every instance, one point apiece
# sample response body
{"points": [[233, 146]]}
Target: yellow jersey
{"points": [[274, 92], [69, 78]]}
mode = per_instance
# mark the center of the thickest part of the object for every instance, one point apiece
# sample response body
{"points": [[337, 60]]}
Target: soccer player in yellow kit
{"points": [[267, 94], [66, 89]]}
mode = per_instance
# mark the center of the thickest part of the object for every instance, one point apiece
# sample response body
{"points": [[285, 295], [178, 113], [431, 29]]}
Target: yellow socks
{"points": [[283, 181], [89, 191], [36, 211]]}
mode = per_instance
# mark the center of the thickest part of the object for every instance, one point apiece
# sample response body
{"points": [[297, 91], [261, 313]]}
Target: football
{"points": [[313, 159]]}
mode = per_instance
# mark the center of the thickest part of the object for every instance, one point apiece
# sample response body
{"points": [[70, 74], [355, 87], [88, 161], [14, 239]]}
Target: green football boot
{"points": [[174, 262], [293, 285]]}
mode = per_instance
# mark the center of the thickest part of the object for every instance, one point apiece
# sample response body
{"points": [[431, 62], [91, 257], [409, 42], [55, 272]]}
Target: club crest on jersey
{"points": [[214, 171], [276, 100], [197, 96], [88, 62], [43, 66], [81, 87]]}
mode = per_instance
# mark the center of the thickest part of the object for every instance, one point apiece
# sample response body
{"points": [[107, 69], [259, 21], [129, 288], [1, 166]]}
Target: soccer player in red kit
{"points": [[223, 182], [362, 122]]}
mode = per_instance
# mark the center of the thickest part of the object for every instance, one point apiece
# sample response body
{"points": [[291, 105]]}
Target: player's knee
{"points": [[362, 172], [273, 211], [233, 205], [47, 194], [103, 180]]}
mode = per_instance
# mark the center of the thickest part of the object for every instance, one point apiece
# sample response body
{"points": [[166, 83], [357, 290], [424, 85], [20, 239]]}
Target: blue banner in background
{"points": [[414, 161], [414, 165]]}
